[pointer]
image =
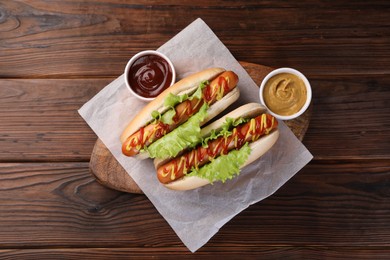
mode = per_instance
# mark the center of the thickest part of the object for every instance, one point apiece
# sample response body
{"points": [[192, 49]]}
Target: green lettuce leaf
{"points": [[156, 115], [226, 128], [172, 100], [198, 92], [186, 135], [223, 167], [167, 117]]}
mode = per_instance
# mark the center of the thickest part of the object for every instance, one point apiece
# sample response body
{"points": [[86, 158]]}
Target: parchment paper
{"points": [[196, 215]]}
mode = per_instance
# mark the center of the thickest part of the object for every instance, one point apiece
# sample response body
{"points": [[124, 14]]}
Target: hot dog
{"points": [[236, 140], [177, 114]]}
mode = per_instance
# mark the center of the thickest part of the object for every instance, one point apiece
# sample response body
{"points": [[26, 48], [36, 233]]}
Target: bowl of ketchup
{"points": [[148, 73]]}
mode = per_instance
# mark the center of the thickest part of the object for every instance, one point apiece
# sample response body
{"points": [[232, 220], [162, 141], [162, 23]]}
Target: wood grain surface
{"points": [[56, 55]]}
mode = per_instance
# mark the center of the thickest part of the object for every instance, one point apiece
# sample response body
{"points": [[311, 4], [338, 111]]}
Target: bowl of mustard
{"points": [[286, 93]]}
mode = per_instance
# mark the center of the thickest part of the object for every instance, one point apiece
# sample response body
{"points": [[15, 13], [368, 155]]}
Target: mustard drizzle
{"points": [[264, 128]]}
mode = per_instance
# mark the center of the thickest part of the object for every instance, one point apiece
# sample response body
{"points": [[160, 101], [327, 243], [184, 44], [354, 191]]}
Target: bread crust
{"points": [[212, 112], [187, 85], [258, 148], [247, 110]]}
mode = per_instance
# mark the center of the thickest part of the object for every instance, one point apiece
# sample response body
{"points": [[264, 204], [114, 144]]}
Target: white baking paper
{"points": [[196, 215]]}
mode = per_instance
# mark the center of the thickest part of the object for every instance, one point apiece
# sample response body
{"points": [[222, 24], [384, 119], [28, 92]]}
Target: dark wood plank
{"points": [[61, 204], [335, 208], [51, 205], [327, 203], [77, 38], [350, 117], [39, 119], [277, 252]]}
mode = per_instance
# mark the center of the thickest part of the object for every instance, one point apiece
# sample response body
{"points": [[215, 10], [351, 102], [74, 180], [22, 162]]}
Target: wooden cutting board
{"points": [[110, 173]]}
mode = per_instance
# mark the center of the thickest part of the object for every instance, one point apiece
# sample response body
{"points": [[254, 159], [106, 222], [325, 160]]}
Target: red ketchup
{"points": [[149, 75]]}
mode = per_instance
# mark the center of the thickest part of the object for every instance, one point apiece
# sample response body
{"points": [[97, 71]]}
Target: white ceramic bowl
{"points": [[144, 53], [308, 92]]}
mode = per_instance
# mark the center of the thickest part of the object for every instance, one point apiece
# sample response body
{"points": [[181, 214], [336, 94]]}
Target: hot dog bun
{"points": [[184, 86], [258, 148], [188, 86]]}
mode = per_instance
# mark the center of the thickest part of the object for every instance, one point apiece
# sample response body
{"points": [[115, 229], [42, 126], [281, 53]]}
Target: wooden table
{"points": [[56, 55]]}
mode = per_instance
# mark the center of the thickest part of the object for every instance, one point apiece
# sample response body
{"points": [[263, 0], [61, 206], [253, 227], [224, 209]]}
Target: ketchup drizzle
{"points": [[247, 132], [213, 93], [183, 111]]}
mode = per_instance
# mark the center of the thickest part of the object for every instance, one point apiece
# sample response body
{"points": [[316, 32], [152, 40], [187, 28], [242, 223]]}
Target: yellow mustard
{"points": [[285, 94]]}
